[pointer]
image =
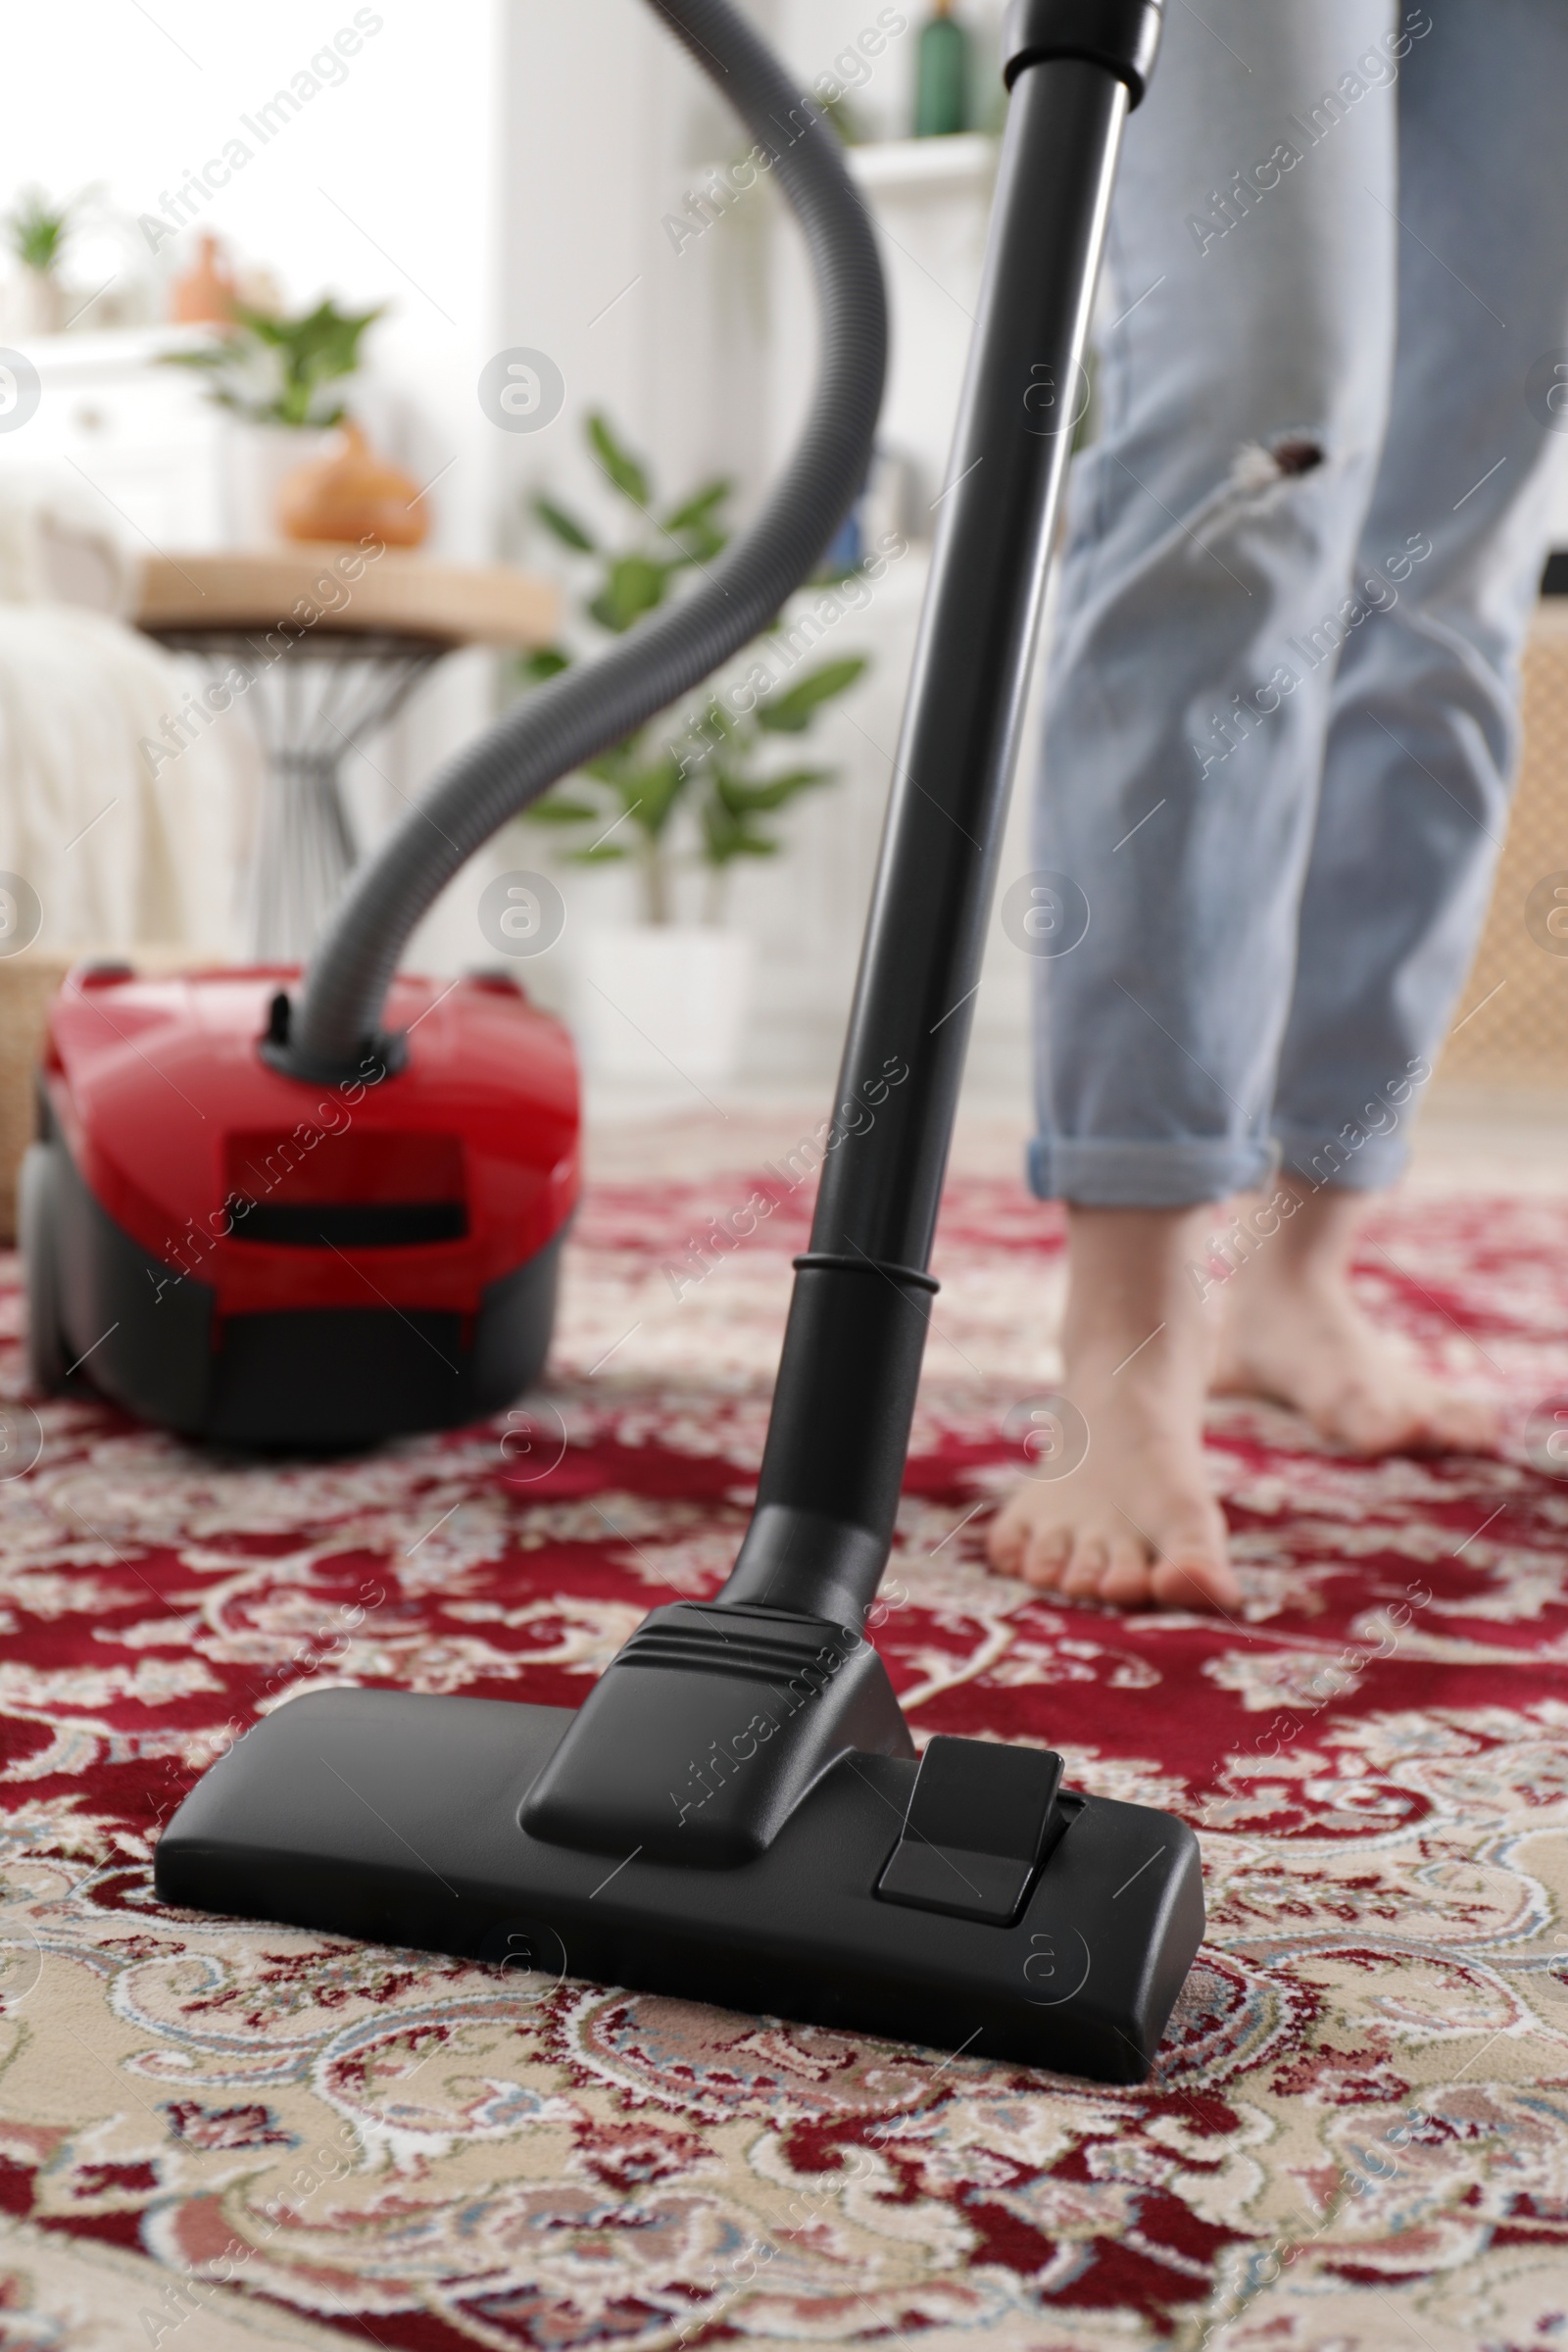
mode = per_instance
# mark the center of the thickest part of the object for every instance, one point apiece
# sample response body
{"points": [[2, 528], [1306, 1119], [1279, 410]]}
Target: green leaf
{"points": [[792, 713], [545, 661], [662, 787], [696, 527], [618, 767], [620, 465], [725, 836], [772, 791], [566, 529], [601, 852], [698, 510], [39, 229], [705, 730], [649, 789], [701, 547], [633, 586], [721, 831], [557, 811]]}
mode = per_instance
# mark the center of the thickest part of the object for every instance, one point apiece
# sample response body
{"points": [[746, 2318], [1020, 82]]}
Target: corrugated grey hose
{"points": [[585, 710]]}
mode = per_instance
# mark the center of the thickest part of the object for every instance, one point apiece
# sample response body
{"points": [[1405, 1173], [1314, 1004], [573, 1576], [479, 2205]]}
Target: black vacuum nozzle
{"points": [[711, 1825]]}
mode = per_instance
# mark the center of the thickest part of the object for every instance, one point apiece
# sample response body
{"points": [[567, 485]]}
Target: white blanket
{"points": [[115, 855]]}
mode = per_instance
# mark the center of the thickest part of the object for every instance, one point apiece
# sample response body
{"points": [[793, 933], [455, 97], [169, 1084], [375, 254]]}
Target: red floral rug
{"points": [[218, 2133]]}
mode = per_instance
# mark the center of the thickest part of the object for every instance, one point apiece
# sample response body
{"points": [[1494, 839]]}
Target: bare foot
{"points": [[1134, 1522], [1294, 1332]]}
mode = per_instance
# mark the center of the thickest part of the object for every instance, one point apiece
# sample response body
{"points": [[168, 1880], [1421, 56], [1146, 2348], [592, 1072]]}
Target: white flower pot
{"points": [[658, 1002], [34, 304], [261, 458]]}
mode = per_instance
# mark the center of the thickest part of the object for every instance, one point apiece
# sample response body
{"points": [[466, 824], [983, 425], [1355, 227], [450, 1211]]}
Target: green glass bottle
{"points": [[942, 75]]}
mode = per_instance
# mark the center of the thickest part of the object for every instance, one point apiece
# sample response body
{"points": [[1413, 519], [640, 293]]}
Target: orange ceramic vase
{"points": [[206, 294], [352, 494]]}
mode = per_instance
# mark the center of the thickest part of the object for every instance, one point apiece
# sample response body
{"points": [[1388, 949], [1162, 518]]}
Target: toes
{"points": [[1365, 1421], [1038, 1554], [1091, 1557], [1096, 1556], [1048, 1552], [1126, 1582], [1464, 1425], [1193, 1579], [1408, 1419], [1007, 1540]]}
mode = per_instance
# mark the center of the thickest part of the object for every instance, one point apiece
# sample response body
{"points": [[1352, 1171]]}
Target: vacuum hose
{"points": [[584, 711]]}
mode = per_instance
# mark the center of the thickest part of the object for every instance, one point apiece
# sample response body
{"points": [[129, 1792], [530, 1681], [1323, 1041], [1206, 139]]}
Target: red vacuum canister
{"points": [[251, 1256]]}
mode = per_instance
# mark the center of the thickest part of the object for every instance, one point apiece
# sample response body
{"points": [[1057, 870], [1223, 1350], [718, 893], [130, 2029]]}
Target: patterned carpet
{"points": [[1358, 2134]]}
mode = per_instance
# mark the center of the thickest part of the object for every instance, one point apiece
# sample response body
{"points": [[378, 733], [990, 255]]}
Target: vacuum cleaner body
{"points": [[241, 1257]]}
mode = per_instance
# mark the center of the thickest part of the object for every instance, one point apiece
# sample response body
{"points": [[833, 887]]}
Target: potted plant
{"points": [[37, 230], [309, 470], [691, 792]]}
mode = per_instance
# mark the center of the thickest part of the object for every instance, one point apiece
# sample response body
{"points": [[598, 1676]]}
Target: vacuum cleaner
{"points": [[737, 1813], [239, 1253]]}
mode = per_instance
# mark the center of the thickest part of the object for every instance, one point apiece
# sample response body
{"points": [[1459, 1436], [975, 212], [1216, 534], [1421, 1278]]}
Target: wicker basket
{"points": [[27, 982], [1511, 1028]]}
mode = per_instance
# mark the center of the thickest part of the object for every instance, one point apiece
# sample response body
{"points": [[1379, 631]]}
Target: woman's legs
{"points": [[1423, 714], [1244, 400], [1216, 521], [1424, 711]]}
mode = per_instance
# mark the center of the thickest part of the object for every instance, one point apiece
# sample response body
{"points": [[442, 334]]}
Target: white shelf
{"points": [[966, 160], [109, 351]]}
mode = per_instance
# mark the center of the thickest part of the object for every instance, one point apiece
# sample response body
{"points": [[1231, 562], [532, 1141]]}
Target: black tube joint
{"points": [[379, 1056], [1122, 35], [828, 1492]]}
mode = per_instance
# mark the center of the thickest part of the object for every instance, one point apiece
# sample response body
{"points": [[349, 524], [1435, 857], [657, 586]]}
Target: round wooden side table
{"points": [[323, 645]]}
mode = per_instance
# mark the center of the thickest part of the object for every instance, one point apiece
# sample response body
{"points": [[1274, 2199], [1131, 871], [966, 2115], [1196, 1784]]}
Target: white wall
{"points": [[607, 123]]}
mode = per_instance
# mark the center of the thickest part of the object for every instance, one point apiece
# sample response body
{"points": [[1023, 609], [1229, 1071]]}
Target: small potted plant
{"points": [[691, 792], [38, 231], [310, 472]]}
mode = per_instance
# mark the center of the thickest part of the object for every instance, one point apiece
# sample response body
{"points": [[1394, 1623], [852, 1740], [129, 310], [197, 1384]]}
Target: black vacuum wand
{"points": [[736, 1813]]}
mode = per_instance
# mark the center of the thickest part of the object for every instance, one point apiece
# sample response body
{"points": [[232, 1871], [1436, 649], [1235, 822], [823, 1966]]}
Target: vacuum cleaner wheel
{"points": [[38, 1232]]}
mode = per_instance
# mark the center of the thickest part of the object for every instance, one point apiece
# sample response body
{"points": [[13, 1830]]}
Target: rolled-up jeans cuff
{"points": [[1367, 1166], [1139, 1175]]}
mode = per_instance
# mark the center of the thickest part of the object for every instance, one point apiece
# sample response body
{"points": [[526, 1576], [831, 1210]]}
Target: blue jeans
{"points": [[1300, 563]]}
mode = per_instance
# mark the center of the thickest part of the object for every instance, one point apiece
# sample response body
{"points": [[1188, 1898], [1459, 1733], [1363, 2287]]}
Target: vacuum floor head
{"points": [[753, 1831]]}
